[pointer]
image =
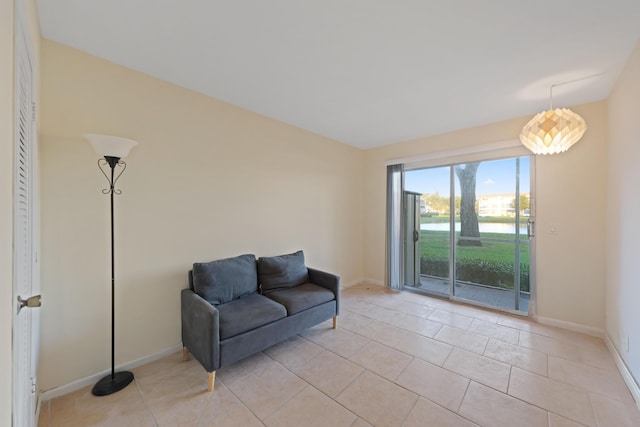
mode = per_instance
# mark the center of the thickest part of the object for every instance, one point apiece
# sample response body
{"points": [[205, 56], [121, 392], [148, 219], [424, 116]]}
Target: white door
{"points": [[25, 269]]}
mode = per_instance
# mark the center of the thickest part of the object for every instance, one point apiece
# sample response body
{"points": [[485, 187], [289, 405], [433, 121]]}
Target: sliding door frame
{"points": [[487, 152]]}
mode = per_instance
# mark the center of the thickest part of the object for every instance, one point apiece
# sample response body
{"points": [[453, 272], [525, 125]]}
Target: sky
{"points": [[493, 177]]}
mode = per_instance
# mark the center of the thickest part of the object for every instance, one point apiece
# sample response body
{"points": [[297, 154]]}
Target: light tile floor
{"points": [[396, 359]]}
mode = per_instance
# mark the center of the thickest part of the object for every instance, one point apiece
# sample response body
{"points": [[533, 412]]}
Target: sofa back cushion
{"points": [[282, 272], [225, 280]]}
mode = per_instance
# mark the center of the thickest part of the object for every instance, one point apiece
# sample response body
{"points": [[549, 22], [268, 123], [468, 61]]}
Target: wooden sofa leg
{"points": [[185, 354], [212, 380], [335, 322]]}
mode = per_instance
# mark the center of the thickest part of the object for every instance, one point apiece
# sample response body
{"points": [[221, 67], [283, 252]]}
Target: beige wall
{"points": [[623, 228], [7, 31], [570, 194], [6, 206], [208, 180]]}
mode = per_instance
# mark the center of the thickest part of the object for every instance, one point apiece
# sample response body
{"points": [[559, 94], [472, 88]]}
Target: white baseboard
{"points": [[624, 371], [92, 379], [576, 327]]}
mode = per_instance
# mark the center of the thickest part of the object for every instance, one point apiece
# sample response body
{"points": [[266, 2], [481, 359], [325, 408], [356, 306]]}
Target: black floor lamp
{"points": [[113, 149]]}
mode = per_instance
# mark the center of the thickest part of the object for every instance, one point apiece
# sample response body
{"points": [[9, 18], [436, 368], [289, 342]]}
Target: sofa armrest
{"points": [[326, 280], [200, 329]]}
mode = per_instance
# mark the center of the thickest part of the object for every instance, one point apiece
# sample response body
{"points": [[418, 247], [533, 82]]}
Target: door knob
{"points": [[31, 302]]}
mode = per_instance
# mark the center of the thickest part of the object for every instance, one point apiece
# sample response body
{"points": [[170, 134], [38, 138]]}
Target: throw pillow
{"points": [[226, 279], [281, 272]]}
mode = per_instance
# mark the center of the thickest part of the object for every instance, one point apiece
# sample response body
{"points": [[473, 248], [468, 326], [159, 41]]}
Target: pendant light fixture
{"points": [[555, 130]]}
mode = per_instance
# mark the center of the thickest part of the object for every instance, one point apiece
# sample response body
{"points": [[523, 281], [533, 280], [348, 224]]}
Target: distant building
{"points": [[498, 204]]}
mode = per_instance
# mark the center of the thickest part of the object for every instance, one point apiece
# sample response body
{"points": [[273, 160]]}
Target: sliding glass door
{"points": [[473, 240]]}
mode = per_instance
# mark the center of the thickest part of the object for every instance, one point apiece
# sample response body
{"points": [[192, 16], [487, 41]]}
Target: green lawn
{"points": [[490, 264], [436, 244]]}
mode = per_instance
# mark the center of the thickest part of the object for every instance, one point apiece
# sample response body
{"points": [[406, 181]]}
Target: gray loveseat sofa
{"points": [[238, 306]]}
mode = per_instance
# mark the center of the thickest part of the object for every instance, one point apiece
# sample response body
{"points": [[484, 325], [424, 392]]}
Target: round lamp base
{"points": [[109, 384]]}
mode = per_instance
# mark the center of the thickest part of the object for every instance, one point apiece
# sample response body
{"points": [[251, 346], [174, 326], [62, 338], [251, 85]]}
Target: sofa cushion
{"points": [[247, 313], [224, 280], [301, 297], [282, 272]]}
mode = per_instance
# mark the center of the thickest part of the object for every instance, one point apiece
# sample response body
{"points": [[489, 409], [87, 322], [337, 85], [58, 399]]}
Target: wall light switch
{"points": [[553, 228]]}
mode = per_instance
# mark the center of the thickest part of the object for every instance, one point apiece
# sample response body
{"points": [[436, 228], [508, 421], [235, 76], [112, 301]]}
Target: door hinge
{"points": [[33, 385], [33, 111]]}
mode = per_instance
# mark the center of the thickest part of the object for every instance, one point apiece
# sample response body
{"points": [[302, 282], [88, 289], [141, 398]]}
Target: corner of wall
{"points": [[631, 383]]}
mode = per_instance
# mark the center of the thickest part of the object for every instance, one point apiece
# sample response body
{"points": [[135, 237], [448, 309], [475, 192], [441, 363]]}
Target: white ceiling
{"points": [[364, 72]]}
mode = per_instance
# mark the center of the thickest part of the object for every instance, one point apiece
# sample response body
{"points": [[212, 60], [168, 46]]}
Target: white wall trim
{"points": [[576, 327], [92, 379], [624, 371]]}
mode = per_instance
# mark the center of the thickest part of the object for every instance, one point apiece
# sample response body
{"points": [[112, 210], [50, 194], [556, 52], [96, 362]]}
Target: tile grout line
{"points": [[449, 355], [240, 400], [404, 420], [335, 399], [146, 403], [457, 412], [364, 370], [548, 410], [442, 325], [296, 375], [595, 416]]}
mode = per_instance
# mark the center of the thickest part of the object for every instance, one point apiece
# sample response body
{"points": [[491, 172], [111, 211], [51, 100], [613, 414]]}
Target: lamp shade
{"points": [[553, 131], [110, 146]]}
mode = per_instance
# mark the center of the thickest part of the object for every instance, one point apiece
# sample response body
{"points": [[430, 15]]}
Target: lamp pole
{"points": [[113, 280], [113, 161], [115, 381], [112, 149]]}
